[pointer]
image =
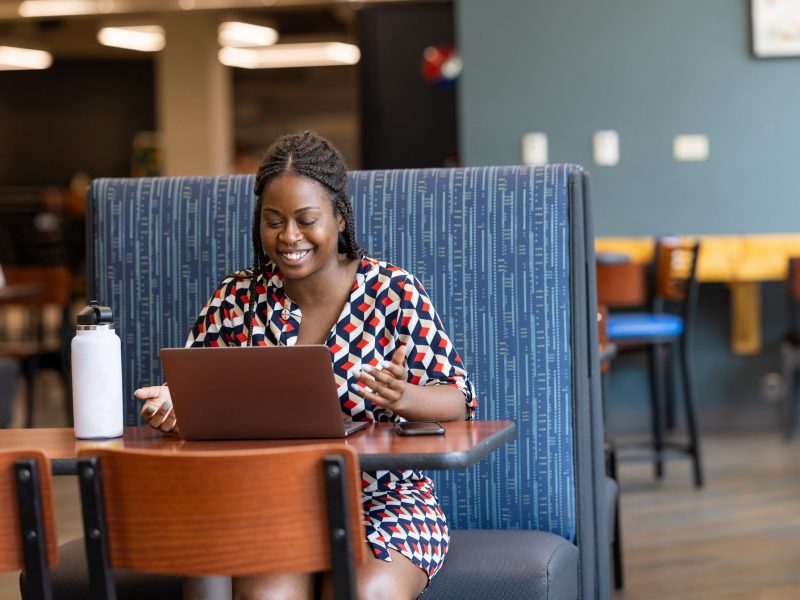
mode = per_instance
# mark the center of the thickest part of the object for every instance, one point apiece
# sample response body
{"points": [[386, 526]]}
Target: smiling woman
{"points": [[312, 283]]}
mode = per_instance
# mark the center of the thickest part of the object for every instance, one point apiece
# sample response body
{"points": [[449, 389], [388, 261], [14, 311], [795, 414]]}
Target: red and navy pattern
{"points": [[387, 308]]}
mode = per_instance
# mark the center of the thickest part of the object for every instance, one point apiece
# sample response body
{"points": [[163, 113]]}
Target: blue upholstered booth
{"points": [[506, 255]]}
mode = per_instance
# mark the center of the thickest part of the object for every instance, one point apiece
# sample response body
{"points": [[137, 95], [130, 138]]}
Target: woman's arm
{"points": [[389, 388]]}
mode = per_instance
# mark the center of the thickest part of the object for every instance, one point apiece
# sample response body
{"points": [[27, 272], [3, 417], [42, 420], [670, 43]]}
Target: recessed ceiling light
{"points": [[55, 8], [291, 55], [245, 35], [145, 38], [14, 59]]}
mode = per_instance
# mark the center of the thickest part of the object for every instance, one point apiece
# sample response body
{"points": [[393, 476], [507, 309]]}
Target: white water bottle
{"points": [[96, 375]]}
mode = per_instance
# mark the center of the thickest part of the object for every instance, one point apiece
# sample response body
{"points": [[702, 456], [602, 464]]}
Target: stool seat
{"points": [[643, 325]]}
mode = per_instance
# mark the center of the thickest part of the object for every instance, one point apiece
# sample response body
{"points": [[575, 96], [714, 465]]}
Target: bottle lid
{"points": [[95, 316]]}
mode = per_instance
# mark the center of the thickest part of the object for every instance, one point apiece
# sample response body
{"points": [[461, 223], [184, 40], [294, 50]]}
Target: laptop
{"points": [[255, 393]]}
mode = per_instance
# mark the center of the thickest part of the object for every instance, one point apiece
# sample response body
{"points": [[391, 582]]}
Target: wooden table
{"points": [[19, 291], [463, 444], [741, 262]]}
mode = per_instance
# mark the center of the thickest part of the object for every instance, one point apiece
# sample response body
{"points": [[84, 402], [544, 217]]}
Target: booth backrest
{"points": [[504, 252]]}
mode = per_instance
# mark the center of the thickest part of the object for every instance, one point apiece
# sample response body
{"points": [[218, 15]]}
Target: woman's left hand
{"points": [[386, 387]]}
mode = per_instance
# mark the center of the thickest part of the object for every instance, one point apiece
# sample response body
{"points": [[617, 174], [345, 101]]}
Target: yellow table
{"points": [[742, 262]]}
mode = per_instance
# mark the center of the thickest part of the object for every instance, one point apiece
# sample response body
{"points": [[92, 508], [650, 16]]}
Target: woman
{"points": [[312, 283]]}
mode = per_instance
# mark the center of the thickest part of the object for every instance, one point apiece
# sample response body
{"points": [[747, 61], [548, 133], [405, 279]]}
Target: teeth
{"points": [[295, 255]]}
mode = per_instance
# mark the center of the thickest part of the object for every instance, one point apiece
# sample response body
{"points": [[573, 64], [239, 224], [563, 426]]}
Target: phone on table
{"points": [[418, 428]]}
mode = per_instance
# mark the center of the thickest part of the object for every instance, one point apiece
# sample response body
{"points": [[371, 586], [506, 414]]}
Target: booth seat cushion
{"points": [[507, 564], [643, 325]]}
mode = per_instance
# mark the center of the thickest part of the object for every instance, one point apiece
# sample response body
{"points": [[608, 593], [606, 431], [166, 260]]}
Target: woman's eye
{"points": [[308, 223], [273, 224]]}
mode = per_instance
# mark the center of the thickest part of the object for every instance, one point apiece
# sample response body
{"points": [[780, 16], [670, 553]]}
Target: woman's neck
{"points": [[323, 286]]}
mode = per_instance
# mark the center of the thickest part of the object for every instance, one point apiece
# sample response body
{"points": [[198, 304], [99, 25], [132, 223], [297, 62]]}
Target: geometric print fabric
{"points": [[387, 308]]}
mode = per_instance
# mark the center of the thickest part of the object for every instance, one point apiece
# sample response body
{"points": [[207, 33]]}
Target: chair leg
{"points": [[29, 368], [668, 370], [788, 406], [655, 410], [691, 418], [616, 546]]}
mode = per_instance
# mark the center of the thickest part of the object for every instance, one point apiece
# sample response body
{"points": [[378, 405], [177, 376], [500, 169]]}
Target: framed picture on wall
{"points": [[775, 28]]}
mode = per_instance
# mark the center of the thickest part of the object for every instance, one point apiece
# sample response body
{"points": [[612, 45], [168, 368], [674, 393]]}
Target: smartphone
{"points": [[418, 428]]}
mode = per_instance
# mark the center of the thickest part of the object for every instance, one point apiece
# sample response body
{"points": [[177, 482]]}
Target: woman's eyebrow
{"points": [[298, 211]]}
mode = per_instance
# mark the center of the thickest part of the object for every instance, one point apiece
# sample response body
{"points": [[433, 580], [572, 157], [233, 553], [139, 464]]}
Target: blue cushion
{"points": [[492, 247], [643, 325]]}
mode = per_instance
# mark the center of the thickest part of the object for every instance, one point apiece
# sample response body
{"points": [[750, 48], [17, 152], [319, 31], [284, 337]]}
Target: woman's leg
{"points": [[377, 579], [281, 586]]}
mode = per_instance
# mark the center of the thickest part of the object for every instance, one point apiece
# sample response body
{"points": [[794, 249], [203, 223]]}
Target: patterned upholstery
{"points": [[501, 250]]}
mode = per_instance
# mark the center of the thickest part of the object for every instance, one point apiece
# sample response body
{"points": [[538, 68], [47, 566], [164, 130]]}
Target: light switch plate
{"points": [[690, 147], [534, 149], [605, 148]]}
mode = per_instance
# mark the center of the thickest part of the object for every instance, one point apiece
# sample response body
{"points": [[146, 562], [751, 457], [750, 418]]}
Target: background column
{"points": [[194, 96]]}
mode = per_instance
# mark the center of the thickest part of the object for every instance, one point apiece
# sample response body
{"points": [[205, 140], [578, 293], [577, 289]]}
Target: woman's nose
{"points": [[290, 234]]}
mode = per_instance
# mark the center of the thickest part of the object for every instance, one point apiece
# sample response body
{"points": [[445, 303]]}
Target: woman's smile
{"points": [[295, 257]]}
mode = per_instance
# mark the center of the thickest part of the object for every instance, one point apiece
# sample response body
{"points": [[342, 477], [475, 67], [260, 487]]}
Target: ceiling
{"points": [[75, 36]]}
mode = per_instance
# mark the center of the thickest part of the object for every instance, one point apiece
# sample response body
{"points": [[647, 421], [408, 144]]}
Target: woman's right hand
{"points": [[157, 409]]}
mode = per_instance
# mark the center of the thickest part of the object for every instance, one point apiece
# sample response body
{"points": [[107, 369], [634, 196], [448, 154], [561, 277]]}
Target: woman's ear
{"points": [[340, 220]]}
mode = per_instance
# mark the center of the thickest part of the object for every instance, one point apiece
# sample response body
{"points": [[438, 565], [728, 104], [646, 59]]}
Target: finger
{"points": [[149, 410], [376, 399], [161, 414], [373, 377], [169, 423], [399, 357], [145, 393]]}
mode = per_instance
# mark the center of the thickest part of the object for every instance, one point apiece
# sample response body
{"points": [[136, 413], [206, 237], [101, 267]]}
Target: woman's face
{"points": [[299, 227]]}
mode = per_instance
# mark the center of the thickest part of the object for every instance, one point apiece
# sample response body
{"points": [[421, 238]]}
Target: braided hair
{"points": [[309, 155]]}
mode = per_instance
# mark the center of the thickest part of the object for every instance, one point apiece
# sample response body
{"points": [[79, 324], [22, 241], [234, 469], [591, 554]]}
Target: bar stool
{"points": [[662, 331]]}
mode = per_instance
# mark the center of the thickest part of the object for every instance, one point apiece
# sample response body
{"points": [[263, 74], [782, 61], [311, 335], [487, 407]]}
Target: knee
{"points": [[275, 587], [383, 587]]}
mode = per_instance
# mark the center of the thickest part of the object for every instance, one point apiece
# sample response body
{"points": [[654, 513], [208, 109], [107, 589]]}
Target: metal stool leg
{"points": [[691, 419]]}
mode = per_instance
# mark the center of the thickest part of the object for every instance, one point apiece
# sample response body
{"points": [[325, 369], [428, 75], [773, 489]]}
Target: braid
{"points": [[307, 154]]}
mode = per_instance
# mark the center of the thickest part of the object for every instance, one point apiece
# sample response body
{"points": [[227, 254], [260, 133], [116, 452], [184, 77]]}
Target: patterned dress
{"points": [[387, 308]]}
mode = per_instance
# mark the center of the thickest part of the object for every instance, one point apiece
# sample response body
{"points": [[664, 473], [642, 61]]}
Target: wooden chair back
{"points": [[675, 266], [793, 278], [53, 283], [622, 285], [27, 525], [219, 513]]}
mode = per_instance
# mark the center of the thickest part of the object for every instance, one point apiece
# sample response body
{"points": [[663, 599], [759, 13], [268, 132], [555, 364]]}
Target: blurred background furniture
{"points": [[607, 353], [27, 525], [790, 349], [532, 355], [245, 517], [9, 377], [741, 262], [662, 332], [35, 328]]}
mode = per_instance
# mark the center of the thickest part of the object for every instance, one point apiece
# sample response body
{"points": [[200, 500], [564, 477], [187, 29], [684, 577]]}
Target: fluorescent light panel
{"points": [[245, 35], [55, 8], [145, 38], [15, 59], [291, 55]]}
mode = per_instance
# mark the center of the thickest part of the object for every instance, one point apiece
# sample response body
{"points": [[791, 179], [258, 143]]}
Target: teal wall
{"points": [[651, 70]]}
